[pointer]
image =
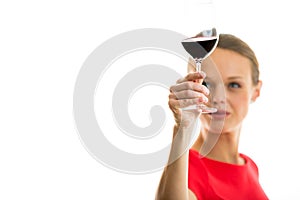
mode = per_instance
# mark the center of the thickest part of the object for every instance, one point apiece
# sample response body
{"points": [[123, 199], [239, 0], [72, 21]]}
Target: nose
{"points": [[218, 95]]}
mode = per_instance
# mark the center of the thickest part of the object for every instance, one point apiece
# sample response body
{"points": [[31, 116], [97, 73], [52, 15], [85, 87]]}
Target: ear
{"points": [[191, 66], [256, 91]]}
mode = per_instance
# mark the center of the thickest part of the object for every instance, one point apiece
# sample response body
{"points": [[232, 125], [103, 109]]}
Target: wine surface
{"points": [[199, 47]]}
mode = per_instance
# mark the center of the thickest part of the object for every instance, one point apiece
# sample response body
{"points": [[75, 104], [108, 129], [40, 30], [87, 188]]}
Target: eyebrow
{"points": [[235, 77]]}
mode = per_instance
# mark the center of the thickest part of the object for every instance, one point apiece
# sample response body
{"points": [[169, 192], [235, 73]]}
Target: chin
{"points": [[213, 126]]}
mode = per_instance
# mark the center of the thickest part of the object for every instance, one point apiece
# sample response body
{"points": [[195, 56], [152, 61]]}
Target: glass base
{"points": [[203, 108]]}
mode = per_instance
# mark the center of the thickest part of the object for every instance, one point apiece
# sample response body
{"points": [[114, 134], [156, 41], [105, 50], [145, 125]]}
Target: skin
{"points": [[232, 91], [234, 96]]}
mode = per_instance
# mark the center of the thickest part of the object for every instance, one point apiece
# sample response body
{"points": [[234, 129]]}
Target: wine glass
{"points": [[200, 47]]}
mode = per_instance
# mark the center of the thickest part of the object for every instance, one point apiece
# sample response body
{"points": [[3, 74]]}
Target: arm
{"points": [[174, 182]]}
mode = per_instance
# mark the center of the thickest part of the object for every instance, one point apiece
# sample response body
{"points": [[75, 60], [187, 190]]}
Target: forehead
{"points": [[227, 63]]}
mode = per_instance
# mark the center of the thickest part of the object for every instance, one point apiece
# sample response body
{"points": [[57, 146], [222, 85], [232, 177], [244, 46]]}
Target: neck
{"points": [[221, 147]]}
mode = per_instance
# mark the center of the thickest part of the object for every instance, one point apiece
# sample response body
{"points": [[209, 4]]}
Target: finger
{"points": [[182, 103], [188, 94], [190, 86], [193, 76], [172, 96]]}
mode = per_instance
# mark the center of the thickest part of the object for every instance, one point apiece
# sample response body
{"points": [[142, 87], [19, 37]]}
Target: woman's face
{"points": [[232, 90]]}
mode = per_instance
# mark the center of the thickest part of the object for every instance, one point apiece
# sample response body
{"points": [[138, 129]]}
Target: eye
{"points": [[234, 85]]}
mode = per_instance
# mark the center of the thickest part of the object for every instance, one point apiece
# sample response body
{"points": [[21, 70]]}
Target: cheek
{"points": [[240, 104]]}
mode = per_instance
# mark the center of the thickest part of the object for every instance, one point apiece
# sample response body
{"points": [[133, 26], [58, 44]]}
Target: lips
{"points": [[220, 114]]}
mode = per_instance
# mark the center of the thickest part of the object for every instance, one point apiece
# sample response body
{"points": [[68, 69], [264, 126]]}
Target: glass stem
{"points": [[198, 64]]}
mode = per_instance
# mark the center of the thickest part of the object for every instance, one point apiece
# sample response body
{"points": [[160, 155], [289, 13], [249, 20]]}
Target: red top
{"points": [[210, 179]]}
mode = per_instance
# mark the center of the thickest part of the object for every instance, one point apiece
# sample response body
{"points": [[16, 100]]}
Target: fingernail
{"points": [[203, 99], [206, 92]]}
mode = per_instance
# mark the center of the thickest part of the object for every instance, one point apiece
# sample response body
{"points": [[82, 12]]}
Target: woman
{"points": [[213, 168]]}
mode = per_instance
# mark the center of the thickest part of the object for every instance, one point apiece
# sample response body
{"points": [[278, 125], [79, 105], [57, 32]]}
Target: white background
{"points": [[42, 47]]}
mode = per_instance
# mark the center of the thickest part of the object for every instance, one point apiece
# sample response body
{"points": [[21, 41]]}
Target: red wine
{"points": [[199, 47]]}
